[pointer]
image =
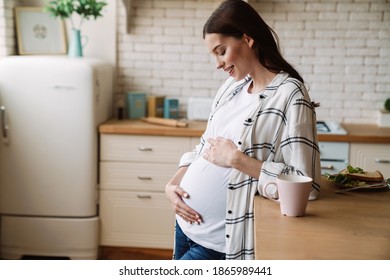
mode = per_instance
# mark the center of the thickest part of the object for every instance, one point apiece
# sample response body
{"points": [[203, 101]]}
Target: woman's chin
{"points": [[237, 77]]}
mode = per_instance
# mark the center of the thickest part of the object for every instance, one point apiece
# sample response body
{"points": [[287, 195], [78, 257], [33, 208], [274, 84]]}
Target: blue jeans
{"points": [[186, 249]]}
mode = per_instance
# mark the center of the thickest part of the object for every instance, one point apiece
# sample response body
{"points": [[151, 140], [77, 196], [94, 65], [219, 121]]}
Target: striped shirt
{"points": [[281, 132]]}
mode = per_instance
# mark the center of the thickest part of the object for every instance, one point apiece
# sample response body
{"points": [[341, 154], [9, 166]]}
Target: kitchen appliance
{"points": [[334, 155], [327, 127], [51, 107], [199, 108]]}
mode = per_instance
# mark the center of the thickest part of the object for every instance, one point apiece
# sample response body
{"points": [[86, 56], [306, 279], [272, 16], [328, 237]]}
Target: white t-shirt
{"points": [[207, 183]]}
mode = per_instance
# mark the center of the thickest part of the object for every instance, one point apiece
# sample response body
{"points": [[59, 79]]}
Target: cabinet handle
{"points": [[144, 178], [4, 127], [144, 196], [329, 167], [378, 160], [145, 149]]}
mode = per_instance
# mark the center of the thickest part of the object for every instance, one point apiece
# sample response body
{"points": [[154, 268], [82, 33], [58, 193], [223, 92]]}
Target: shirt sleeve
{"points": [[298, 146]]}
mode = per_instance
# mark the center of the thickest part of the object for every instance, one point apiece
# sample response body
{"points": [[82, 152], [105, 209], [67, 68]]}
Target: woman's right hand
{"points": [[176, 194]]}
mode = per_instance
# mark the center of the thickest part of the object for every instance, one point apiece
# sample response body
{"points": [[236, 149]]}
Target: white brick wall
{"points": [[342, 49], [7, 27]]}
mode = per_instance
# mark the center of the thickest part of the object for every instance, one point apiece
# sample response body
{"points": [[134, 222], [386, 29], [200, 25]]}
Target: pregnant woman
{"points": [[262, 124]]}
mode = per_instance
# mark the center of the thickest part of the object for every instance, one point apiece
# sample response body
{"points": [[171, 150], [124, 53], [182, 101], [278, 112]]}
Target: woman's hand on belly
{"points": [[221, 151], [176, 194]]}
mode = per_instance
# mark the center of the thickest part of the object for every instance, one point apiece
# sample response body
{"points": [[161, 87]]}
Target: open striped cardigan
{"points": [[281, 132]]}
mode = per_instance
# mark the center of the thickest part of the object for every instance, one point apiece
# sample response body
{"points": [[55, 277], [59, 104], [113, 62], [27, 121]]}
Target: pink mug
{"points": [[293, 192]]}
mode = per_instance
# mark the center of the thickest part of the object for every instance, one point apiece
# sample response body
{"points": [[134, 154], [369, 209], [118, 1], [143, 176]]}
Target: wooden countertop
{"points": [[356, 133], [352, 225], [137, 127], [360, 133]]}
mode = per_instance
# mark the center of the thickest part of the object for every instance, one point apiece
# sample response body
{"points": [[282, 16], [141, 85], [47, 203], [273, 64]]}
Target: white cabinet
{"points": [[334, 156], [134, 170], [371, 157]]}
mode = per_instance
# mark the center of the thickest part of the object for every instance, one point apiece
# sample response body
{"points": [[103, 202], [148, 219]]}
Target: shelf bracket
{"points": [[127, 4]]}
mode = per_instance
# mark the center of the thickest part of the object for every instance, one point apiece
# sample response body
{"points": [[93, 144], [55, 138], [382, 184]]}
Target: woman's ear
{"points": [[248, 40]]}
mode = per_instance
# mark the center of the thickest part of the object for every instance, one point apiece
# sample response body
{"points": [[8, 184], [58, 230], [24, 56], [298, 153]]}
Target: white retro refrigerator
{"points": [[50, 109]]}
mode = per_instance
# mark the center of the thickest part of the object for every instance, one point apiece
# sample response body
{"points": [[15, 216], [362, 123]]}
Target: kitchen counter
{"points": [[352, 225], [356, 132], [137, 127], [360, 133]]}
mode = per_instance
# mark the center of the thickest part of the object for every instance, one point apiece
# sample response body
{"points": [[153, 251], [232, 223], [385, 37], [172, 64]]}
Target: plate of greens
{"points": [[355, 178]]}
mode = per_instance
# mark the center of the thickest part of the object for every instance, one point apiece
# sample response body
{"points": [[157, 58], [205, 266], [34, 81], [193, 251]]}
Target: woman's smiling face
{"points": [[233, 55]]}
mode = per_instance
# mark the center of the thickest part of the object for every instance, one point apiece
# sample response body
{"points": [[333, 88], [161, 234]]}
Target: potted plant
{"points": [[384, 114], [387, 105], [67, 9]]}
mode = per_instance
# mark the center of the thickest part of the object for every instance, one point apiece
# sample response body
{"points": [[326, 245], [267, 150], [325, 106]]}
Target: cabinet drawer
{"points": [[334, 150], [332, 166], [143, 148], [136, 176], [371, 157], [194, 141], [136, 219]]}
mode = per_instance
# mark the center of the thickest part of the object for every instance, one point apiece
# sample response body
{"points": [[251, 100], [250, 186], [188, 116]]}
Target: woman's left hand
{"points": [[221, 151]]}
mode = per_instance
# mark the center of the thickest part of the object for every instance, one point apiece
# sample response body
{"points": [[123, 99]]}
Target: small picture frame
{"points": [[39, 33]]}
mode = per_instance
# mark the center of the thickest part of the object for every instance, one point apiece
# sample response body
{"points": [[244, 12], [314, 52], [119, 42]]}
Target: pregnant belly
{"points": [[207, 185]]}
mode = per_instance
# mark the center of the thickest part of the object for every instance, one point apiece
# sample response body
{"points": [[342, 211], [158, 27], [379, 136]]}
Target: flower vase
{"points": [[75, 44]]}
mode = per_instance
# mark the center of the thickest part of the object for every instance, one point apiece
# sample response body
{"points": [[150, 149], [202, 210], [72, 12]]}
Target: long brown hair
{"points": [[236, 18]]}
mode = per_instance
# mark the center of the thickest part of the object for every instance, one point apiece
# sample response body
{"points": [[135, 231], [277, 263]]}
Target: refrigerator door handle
{"points": [[4, 127]]}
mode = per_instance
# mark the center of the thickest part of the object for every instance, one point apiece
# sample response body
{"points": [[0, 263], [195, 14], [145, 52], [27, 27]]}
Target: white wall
{"points": [[7, 27], [342, 49]]}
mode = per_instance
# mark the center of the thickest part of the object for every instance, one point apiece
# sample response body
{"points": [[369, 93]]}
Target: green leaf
{"points": [[352, 169], [387, 104], [85, 8]]}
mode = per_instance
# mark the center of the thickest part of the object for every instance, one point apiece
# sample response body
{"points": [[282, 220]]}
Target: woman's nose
{"points": [[219, 64]]}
